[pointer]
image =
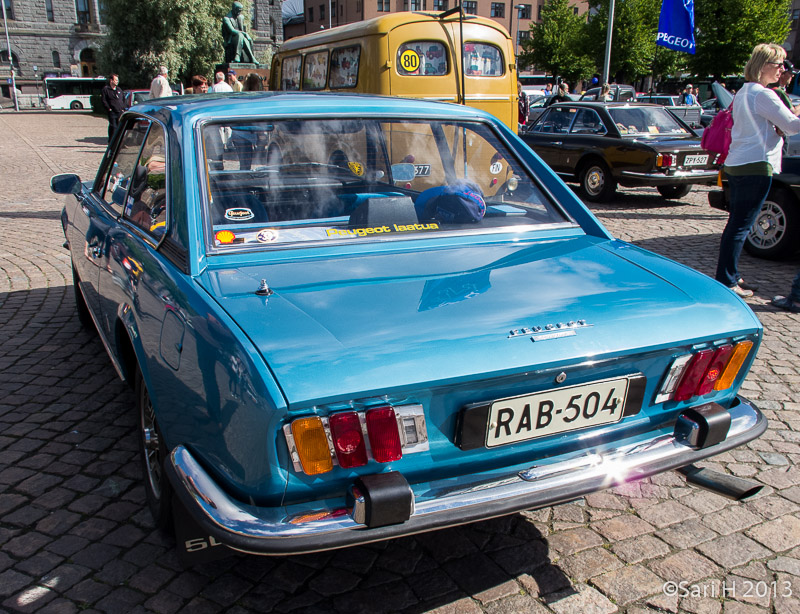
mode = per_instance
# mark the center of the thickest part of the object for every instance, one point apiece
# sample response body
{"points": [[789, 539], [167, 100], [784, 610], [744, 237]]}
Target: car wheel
{"points": [[153, 454], [75, 105], [776, 231], [84, 317], [674, 191], [597, 184]]}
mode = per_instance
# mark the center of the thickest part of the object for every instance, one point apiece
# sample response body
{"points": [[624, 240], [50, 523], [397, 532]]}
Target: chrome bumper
{"points": [[328, 524], [677, 178]]}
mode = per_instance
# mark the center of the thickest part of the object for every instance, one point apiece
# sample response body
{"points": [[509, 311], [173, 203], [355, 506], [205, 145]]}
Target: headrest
{"points": [[382, 211]]}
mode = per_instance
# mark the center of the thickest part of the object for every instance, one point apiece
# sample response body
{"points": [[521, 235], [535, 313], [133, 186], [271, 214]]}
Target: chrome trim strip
{"points": [[323, 525], [703, 174]]}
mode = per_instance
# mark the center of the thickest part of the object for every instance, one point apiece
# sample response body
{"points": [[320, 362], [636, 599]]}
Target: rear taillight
{"points": [[698, 374], [311, 442], [665, 160], [348, 439], [384, 437], [353, 438]]}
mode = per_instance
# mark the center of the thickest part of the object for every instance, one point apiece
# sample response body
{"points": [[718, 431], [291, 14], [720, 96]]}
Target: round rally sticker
{"points": [[409, 60], [267, 236], [496, 167]]}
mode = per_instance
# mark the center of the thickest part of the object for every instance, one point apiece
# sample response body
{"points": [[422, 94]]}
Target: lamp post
{"points": [[609, 30], [10, 60], [520, 8]]}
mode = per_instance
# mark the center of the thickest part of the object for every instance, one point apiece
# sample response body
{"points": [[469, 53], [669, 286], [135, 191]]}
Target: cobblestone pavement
{"points": [[76, 536]]}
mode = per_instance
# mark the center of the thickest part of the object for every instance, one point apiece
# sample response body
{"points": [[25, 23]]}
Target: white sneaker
{"points": [[742, 292]]}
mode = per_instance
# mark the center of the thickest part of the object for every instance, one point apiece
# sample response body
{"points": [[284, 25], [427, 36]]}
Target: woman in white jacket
{"points": [[759, 121]]}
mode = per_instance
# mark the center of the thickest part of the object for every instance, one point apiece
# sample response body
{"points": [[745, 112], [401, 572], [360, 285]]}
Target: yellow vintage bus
{"points": [[411, 54]]}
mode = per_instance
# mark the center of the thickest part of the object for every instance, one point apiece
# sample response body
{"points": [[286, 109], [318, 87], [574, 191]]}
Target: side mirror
{"points": [[67, 183], [403, 172]]}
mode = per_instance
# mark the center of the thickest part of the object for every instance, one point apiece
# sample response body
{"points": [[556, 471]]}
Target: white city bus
{"points": [[71, 92]]}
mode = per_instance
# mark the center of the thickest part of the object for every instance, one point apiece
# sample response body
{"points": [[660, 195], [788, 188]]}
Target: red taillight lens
{"points": [[348, 440], [715, 369], [664, 160], [384, 438], [694, 374]]}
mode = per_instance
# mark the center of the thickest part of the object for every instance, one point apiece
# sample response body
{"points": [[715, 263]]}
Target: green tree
{"points": [[184, 35], [557, 43], [634, 53], [727, 30]]}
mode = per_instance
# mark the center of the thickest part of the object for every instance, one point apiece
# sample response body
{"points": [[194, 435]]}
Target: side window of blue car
{"points": [[120, 172], [146, 206], [135, 184]]}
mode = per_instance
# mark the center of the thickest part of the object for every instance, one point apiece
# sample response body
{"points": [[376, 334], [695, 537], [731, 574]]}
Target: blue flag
{"points": [[676, 25]]}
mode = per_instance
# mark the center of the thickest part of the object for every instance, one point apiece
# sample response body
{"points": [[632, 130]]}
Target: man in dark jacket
{"points": [[114, 103]]}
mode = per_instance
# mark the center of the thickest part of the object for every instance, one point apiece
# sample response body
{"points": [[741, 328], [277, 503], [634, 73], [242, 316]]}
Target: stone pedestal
{"points": [[242, 69]]}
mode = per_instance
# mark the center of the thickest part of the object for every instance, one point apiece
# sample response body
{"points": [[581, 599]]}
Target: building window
{"points": [[498, 9], [439, 5], [539, 13], [56, 59], [525, 11], [412, 5], [48, 7], [574, 10], [82, 11], [383, 6], [9, 10], [310, 13], [14, 58], [322, 12], [333, 9], [523, 35], [470, 7]]}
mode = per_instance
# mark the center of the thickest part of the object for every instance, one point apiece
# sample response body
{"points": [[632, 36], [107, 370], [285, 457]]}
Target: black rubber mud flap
{"points": [[194, 545]]}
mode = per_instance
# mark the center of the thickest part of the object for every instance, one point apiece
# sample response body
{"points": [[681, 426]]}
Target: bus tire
{"points": [[75, 105]]}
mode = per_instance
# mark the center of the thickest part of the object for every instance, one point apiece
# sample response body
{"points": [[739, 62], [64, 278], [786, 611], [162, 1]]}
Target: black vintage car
{"points": [[601, 145], [776, 232]]}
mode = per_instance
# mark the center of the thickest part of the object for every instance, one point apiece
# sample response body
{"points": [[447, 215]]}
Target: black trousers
{"points": [[113, 122]]}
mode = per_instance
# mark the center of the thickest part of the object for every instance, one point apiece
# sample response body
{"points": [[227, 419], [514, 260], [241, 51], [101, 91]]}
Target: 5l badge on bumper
{"points": [[529, 416]]}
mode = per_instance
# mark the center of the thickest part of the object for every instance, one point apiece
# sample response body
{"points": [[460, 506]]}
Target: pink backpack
{"points": [[717, 137]]}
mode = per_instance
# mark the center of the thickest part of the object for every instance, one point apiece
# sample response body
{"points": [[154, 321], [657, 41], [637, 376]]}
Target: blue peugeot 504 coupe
{"points": [[351, 318]]}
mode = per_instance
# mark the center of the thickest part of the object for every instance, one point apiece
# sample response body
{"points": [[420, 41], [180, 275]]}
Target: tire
{"points": [[153, 454], [597, 184], [76, 105], [776, 231], [84, 317], [674, 191]]}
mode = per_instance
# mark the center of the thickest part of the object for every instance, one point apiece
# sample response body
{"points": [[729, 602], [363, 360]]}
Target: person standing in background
{"points": [[159, 87], [235, 84], [754, 155], [113, 102], [220, 84]]}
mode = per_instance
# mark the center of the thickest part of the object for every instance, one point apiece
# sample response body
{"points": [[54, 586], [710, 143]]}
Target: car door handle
{"points": [[557, 143]]}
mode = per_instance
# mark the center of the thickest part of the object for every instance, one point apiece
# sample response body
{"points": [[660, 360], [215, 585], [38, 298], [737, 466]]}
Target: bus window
{"points": [[484, 60], [344, 66], [290, 73], [315, 71], [422, 58]]}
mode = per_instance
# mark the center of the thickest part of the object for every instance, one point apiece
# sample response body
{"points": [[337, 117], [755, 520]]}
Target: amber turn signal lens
{"points": [[738, 357], [312, 445]]}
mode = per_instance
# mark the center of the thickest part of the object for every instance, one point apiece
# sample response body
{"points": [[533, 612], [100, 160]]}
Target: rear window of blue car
{"points": [[293, 181]]}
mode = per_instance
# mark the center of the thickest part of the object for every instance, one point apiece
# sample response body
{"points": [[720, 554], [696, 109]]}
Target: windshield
{"points": [[294, 181], [639, 121]]}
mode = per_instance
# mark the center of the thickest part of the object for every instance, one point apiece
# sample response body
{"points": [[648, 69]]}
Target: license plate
{"points": [[422, 170], [695, 160], [556, 411]]}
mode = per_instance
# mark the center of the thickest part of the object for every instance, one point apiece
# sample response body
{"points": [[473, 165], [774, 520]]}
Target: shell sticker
{"points": [[357, 168]]}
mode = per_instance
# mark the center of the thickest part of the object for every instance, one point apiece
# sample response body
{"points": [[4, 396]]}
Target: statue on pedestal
{"points": [[238, 43]]}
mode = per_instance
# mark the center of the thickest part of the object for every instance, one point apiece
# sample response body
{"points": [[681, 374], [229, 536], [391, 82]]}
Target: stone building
{"points": [[64, 37]]}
